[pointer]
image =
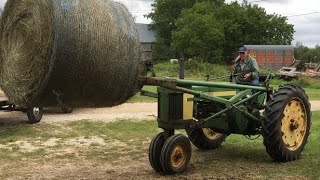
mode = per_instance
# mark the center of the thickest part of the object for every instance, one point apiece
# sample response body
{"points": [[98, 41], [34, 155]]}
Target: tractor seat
{"points": [[263, 77]]}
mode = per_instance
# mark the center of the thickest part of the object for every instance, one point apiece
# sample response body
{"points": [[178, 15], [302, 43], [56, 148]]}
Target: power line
{"points": [[303, 14], [257, 1], [295, 15]]}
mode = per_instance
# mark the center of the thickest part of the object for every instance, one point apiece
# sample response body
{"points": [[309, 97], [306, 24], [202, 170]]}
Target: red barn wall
{"points": [[272, 58]]}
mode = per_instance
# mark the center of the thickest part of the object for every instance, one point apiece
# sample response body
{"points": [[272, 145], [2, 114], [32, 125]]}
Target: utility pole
{"points": [[182, 63]]}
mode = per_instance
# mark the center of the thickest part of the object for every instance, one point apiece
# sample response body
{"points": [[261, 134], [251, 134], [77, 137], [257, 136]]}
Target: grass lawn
{"points": [[99, 150], [314, 94]]}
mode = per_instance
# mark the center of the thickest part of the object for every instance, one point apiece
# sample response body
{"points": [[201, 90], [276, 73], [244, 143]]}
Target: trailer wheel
{"points": [[287, 123], [155, 148], [67, 110], [34, 114], [205, 138], [175, 154]]}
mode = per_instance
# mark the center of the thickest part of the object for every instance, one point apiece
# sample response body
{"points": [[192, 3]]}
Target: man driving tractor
{"points": [[246, 69]]}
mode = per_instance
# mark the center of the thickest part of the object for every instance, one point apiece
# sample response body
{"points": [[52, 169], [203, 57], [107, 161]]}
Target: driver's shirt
{"points": [[243, 67]]}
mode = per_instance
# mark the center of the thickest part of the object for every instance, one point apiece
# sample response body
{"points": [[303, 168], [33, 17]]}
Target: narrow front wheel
{"points": [[155, 148], [175, 154]]}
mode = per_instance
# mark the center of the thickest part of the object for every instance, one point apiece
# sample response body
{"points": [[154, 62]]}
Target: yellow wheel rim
{"points": [[179, 156], [210, 134], [294, 124]]}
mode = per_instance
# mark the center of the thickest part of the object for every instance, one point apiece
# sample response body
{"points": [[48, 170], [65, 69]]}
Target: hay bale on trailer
{"points": [[86, 52]]}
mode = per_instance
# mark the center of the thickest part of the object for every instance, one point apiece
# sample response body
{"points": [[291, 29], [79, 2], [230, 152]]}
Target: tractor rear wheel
{"points": [[205, 138], [175, 154], [155, 148], [287, 123]]}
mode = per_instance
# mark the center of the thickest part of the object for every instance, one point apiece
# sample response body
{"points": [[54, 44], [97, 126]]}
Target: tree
{"points": [[250, 24], [307, 54], [164, 16], [203, 20], [198, 33], [300, 51]]}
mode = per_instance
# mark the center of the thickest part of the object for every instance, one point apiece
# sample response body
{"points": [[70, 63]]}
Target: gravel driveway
{"points": [[136, 111]]}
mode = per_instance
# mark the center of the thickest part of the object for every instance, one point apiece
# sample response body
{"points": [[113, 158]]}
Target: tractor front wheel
{"points": [[175, 154], [155, 148], [287, 123], [205, 138]]}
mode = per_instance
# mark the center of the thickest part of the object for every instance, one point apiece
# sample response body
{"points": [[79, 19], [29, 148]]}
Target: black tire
{"points": [[203, 139], [155, 148], [175, 154], [67, 109], [287, 123], [34, 114]]}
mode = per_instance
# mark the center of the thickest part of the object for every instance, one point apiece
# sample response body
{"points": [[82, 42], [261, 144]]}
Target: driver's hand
{"points": [[246, 76]]}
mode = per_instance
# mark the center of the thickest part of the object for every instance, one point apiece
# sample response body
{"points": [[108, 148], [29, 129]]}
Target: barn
{"points": [[147, 39], [272, 56]]}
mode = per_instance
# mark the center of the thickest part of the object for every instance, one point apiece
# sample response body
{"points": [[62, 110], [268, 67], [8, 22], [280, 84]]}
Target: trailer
{"points": [[34, 114]]}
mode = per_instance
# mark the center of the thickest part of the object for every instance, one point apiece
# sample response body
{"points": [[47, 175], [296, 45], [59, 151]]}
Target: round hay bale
{"points": [[83, 52]]}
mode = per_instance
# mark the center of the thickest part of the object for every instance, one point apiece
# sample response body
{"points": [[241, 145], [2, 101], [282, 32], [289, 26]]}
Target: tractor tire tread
{"points": [[271, 126], [166, 153], [155, 148]]}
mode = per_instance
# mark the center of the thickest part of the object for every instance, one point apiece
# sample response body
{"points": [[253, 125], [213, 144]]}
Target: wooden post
{"points": [[181, 66]]}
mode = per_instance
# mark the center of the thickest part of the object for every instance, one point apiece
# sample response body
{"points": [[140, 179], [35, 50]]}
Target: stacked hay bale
{"points": [[85, 52]]}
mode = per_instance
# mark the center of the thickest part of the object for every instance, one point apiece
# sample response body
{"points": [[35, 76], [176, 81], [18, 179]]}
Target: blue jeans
{"points": [[254, 82]]}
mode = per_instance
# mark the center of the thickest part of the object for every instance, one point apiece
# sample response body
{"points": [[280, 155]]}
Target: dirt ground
{"points": [[133, 165], [124, 111]]}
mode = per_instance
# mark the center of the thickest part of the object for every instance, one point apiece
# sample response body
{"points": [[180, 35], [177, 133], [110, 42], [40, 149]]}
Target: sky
{"points": [[303, 14]]}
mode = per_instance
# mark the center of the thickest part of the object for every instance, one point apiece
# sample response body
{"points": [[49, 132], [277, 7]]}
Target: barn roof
{"points": [[146, 35]]}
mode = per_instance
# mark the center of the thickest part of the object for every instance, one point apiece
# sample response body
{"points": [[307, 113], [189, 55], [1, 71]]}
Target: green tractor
{"points": [[210, 111]]}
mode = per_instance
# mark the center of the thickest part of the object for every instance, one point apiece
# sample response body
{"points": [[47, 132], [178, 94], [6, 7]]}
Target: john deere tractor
{"points": [[211, 111]]}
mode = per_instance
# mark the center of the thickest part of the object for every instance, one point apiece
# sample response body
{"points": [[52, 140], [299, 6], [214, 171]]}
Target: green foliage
{"points": [[307, 54], [209, 28], [167, 70], [310, 82], [198, 70], [164, 16], [193, 70], [198, 33], [250, 24]]}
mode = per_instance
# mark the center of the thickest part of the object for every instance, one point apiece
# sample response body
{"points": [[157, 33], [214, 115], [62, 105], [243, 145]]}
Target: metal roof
{"points": [[145, 35], [269, 46]]}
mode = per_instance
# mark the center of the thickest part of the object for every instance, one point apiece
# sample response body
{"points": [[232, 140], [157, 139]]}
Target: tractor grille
{"points": [[175, 106], [170, 106]]}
